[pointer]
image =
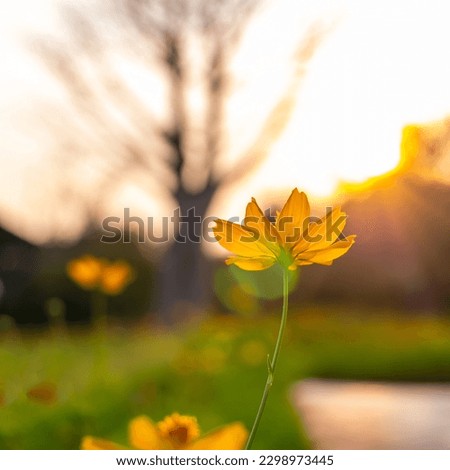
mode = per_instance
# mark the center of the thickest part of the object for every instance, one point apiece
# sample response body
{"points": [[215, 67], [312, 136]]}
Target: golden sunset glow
{"points": [[359, 91]]}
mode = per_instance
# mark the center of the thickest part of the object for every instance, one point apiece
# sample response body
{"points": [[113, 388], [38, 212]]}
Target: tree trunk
{"points": [[185, 273]]}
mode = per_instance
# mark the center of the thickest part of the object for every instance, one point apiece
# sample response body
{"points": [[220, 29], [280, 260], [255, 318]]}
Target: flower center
{"points": [[179, 430], [285, 258]]}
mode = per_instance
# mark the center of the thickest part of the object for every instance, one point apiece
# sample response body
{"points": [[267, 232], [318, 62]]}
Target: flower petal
{"points": [[327, 255], [300, 262], [116, 277], [251, 264], [256, 222], [293, 219], [86, 271], [143, 435], [178, 430], [93, 443], [230, 437], [235, 238], [326, 232]]}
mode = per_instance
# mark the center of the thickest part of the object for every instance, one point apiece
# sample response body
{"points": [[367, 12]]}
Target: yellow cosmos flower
{"points": [[92, 273], [293, 240], [174, 432]]}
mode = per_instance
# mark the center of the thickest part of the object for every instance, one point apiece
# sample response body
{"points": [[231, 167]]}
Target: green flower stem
{"points": [[99, 310], [272, 363]]}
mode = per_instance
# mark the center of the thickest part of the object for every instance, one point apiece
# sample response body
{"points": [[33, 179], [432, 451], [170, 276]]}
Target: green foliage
{"points": [[94, 383]]}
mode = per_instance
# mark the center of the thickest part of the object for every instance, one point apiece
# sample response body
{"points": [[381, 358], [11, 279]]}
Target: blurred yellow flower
{"points": [[93, 273], [115, 277], [174, 432], [94, 443], [85, 271], [293, 240]]}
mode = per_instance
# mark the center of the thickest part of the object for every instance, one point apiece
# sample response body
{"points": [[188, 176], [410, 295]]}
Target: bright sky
{"points": [[384, 64]]}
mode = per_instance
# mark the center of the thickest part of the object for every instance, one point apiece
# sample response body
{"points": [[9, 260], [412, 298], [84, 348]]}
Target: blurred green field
{"points": [[59, 385]]}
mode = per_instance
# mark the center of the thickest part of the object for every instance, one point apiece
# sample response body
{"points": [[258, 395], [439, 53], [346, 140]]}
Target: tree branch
{"points": [[278, 117]]}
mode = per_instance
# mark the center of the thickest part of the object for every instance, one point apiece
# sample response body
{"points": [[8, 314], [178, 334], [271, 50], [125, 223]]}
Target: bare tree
{"points": [[161, 34]]}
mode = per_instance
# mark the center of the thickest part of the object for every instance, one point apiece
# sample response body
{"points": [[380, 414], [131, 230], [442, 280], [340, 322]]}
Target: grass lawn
{"points": [[59, 385]]}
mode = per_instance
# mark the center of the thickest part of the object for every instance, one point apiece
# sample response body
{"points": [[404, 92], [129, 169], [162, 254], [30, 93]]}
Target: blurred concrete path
{"points": [[374, 415]]}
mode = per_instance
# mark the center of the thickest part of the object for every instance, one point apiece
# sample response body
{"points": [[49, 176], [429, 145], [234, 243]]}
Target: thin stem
{"points": [[99, 310], [272, 363]]}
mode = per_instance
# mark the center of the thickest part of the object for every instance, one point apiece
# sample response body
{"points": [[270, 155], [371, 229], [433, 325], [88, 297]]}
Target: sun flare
{"points": [[359, 92]]}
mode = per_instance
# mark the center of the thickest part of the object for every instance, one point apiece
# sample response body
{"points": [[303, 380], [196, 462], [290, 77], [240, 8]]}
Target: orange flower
{"points": [[174, 432], [85, 271], [293, 240], [115, 277], [92, 273]]}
